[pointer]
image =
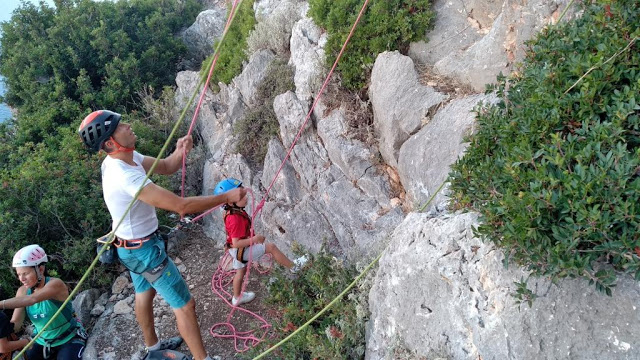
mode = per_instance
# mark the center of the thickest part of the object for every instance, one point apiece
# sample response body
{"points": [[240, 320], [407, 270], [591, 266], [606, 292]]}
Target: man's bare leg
{"points": [[190, 330], [144, 315]]}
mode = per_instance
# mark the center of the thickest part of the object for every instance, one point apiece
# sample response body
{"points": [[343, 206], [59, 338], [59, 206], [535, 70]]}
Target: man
{"points": [[142, 251]]}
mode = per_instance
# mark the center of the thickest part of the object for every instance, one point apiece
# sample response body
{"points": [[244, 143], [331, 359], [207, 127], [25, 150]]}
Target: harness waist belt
{"points": [[133, 243]]}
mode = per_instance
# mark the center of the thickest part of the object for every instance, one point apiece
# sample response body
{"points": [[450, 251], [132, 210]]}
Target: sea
{"points": [[5, 113]]}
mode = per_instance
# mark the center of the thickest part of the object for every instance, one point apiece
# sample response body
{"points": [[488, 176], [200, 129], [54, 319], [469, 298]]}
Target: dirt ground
{"points": [[211, 309]]}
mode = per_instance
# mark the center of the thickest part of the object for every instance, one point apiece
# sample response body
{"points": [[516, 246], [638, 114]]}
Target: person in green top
{"points": [[39, 298]]}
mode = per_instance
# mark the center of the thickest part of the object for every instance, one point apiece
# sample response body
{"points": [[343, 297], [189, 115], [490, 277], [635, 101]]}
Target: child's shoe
{"points": [[247, 296], [299, 263]]}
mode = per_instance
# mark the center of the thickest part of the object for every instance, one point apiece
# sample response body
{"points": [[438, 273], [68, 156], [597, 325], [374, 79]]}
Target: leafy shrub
{"points": [[259, 125], [555, 175], [339, 332], [50, 186], [273, 33], [386, 25], [232, 52]]}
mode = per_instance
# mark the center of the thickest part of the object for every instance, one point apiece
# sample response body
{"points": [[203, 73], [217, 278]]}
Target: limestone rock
{"points": [[287, 184], [120, 284], [400, 103], [309, 157], [353, 158], [252, 74], [83, 303], [207, 28], [425, 158], [307, 57], [460, 305], [473, 41]]}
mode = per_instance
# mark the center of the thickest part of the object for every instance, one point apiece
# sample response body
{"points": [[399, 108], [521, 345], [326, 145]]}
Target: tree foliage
{"points": [[61, 63], [554, 174], [386, 25]]}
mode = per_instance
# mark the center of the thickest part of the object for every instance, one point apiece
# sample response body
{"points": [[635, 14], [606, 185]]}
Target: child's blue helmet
{"points": [[226, 185]]}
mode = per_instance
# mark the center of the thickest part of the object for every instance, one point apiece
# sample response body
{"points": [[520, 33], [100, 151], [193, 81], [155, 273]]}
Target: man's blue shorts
{"points": [[171, 286]]}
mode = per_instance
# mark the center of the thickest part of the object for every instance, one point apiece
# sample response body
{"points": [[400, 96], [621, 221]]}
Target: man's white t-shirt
{"points": [[120, 182]]}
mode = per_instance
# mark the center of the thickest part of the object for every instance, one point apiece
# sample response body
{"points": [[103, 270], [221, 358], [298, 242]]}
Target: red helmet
{"points": [[97, 128]]}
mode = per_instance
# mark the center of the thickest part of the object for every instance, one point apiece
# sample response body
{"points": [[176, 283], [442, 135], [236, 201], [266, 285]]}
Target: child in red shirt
{"points": [[237, 224]]}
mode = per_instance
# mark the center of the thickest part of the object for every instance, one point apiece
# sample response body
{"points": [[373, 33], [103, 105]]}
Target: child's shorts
{"points": [[256, 251]]}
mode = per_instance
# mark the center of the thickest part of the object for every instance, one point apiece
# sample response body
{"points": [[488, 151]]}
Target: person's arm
{"points": [[240, 243], [171, 163], [7, 346], [54, 289], [162, 198]]}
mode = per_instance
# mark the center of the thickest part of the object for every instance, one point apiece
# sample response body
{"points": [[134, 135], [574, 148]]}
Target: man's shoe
{"points": [[168, 344], [246, 297]]}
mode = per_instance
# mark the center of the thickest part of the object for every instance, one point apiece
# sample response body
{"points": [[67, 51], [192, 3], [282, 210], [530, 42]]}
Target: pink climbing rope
{"points": [[222, 277], [315, 102], [220, 282], [202, 94]]}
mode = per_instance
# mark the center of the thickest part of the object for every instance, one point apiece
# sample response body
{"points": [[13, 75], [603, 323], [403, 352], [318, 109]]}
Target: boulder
{"points": [[457, 293], [252, 74], [120, 284], [400, 103], [307, 57], [473, 41], [425, 158], [352, 157], [84, 303], [202, 34]]}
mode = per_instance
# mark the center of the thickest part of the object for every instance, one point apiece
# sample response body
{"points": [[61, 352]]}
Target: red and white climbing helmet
{"points": [[97, 128], [30, 255]]}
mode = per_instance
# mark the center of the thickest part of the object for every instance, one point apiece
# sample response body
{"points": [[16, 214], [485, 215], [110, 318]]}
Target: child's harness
{"points": [[232, 210]]}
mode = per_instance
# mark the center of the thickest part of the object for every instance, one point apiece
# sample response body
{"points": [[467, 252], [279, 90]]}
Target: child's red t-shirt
{"points": [[237, 226]]}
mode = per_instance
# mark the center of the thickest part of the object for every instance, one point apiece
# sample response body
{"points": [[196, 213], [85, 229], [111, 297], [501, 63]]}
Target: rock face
{"points": [[424, 159], [400, 102], [473, 41], [207, 28], [439, 291], [307, 57], [460, 305]]}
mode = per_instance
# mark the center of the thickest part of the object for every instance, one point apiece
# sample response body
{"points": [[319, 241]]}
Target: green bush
{"points": [[387, 25], [59, 65], [232, 52], [260, 124], [338, 333], [555, 175]]}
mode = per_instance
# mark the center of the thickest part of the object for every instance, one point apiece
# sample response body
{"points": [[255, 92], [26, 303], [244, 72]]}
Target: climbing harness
{"points": [[71, 320], [111, 255], [233, 210]]}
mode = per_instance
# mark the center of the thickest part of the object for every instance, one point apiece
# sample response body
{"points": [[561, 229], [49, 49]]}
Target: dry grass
{"points": [[456, 89], [356, 107]]}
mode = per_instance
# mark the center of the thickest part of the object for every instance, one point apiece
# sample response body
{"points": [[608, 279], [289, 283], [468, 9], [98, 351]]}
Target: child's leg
{"points": [[237, 282], [278, 256]]}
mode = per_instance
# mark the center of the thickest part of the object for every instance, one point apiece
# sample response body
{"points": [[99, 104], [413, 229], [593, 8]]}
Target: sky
{"points": [[7, 7]]}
